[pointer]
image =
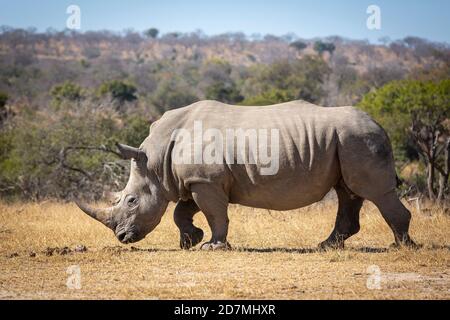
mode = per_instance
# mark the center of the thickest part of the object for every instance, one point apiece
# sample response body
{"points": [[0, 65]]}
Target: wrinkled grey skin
{"points": [[320, 149]]}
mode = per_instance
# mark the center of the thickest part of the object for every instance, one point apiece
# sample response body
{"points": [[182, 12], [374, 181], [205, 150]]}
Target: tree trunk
{"points": [[430, 180], [443, 176]]}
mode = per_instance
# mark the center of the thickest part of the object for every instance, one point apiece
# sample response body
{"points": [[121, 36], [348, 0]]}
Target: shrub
{"points": [[119, 91]]}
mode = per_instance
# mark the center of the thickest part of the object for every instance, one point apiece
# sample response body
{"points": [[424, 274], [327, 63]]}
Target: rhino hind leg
{"points": [[213, 202], [397, 217], [368, 169], [347, 219], [183, 215]]}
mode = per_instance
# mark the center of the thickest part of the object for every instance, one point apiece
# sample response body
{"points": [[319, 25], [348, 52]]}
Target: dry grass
{"points": [[272, 258]]}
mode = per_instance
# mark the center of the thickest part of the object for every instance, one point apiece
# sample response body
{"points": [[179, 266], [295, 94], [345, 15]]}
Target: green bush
{"points": [[68, 91], [395, 104], [68, 154], [119, 91], [170, 95], [227, 93], [3, 99], [273, 96]]}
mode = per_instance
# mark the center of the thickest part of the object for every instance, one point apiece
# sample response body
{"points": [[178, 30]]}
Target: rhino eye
{"points": [[132, 201]]}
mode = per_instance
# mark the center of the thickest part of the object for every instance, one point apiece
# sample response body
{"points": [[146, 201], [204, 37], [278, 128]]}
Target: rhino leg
{"points": [[213, 202], [396, 216], [183, 215], [347, 219]]}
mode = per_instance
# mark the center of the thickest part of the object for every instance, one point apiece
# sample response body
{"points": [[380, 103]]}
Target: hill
{"points": [[32, 63]]}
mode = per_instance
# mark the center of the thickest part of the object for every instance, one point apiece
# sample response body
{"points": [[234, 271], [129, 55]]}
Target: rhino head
{"points": [[138, 208]]}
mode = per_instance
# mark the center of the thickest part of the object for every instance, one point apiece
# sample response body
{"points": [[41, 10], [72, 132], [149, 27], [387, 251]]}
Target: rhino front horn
{"points": [[102, 215]]}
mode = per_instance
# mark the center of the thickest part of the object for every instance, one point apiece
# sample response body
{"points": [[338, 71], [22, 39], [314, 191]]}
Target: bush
{"points": [[119, 91], [67, 154], [92, 52], [170, 95], [227, 93], [300, 79], [3, 99], [67, 91], [273, 96]]}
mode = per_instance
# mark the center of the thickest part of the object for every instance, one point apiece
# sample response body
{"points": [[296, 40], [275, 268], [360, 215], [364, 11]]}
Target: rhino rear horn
{"points": [[128, 152]]}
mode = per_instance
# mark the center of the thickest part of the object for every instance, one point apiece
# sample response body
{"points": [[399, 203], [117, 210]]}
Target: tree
{"points": [[3, 110], [151, 33], [433, 140], [320, 47], [299, 45], [119, 91], [417, 111]]}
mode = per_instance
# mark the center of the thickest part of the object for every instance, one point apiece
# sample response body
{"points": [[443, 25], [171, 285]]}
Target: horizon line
{"points": [[255, 36]]}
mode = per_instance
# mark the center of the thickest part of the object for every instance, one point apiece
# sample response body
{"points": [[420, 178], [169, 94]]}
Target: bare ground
{"points": [[274, 257]]}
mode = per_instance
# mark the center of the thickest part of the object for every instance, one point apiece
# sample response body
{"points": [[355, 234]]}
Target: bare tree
{"points": [[433, 140], [444, 174]]}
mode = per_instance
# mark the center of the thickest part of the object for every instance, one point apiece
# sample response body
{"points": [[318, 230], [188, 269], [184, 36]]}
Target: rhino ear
{"points": [[128, 152]]}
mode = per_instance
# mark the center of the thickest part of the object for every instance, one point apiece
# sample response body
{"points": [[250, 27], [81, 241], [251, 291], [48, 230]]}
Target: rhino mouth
{"points": [[127, 236]]}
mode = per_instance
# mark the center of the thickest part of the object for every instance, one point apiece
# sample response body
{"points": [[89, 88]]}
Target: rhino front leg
{"points": [[213, 202], [347, 219], [183, 215]]}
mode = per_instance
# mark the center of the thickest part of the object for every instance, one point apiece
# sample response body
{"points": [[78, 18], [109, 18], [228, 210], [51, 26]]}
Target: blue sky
{"points": [[307, 18]]}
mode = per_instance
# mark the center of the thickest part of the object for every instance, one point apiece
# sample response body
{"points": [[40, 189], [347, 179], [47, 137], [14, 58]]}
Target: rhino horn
{"points": [[128, 152], [102, 215]]}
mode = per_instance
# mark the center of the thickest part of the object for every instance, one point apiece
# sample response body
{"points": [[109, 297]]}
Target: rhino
{"points": [[315, 149]]}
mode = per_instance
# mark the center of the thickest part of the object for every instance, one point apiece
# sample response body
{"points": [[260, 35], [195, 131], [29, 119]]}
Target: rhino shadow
{"points": [[311, 250], [318, 250]]}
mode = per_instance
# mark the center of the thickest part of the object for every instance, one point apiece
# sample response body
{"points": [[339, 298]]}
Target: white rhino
{"points": [[315, 149]]}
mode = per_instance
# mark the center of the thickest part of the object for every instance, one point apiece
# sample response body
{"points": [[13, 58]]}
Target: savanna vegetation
{"points": [[67, 97]]}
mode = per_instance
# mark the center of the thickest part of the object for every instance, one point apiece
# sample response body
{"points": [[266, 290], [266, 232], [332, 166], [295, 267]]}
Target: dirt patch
{"points": [[50, 251], [64, 250], [120, 250]]}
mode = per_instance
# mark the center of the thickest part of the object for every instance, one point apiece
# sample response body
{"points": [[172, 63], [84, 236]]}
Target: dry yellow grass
{"points": [[271, 258]]}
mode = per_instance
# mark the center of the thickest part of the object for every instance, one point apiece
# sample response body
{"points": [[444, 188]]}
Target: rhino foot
{"points": [[333, 245], [407, 244], [218, 245], [190, 239], [404, 241]]}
